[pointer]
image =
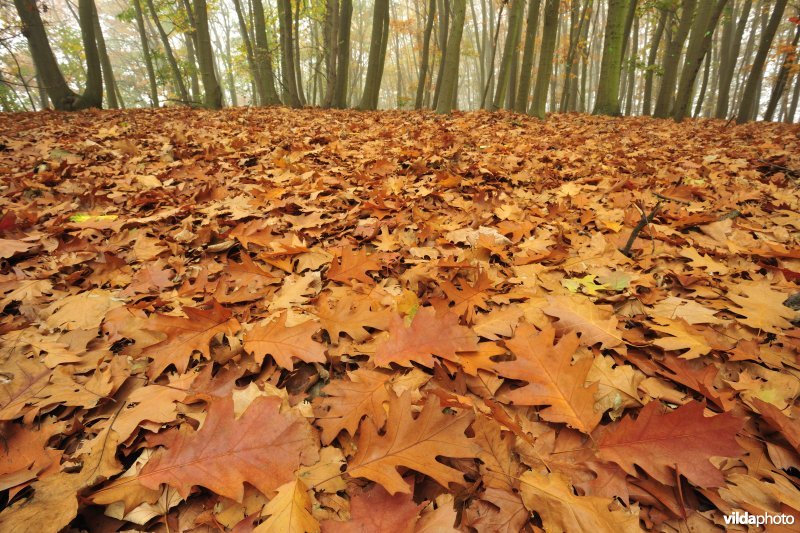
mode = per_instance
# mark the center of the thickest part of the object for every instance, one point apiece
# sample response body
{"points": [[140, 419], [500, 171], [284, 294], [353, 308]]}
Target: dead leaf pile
{"points": [[297, 320]]}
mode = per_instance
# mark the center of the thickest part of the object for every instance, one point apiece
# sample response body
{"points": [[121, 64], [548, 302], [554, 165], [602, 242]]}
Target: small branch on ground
{"points": [[646, 219]]}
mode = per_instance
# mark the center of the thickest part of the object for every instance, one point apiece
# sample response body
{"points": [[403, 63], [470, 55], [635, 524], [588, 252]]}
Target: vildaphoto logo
{"points": [[747, 519]]}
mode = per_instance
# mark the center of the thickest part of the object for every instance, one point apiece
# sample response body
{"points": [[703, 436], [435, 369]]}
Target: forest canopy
{"points": [[668, 58]]}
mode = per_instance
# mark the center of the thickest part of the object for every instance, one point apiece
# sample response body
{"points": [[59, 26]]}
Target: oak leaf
{"points": [[351, 265], [467, 298], [595, 323], [350, 318], [184, 336], [289, 511], [285, 343], [413, 443], [374, 509], [552, 378], [553, 499], [762, 307], [429, 334], [263, 447], [347, 402], [683, 337], [682, 439]]}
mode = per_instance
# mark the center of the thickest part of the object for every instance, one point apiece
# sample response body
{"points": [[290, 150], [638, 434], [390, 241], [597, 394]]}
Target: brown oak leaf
{"points": [[285, 343]]}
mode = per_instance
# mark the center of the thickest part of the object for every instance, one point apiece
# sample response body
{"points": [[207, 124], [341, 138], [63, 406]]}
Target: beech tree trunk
{"points": [[449, 83], [212, 97], [444, 29], [607, 102], [148, 60], [343, 56], [248, 49], [545, 69], [426, 47], [708, 14], [263, 57], [749, 105], [509, 50], [526, 70], [651, 62], [109, 82], [783, 77], [180, 87], [288, 72], [331, 39], [672, 58], [377, 55]]}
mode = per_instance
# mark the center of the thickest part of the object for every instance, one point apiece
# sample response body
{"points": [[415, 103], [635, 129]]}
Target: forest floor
{"points": [[293, 318]]}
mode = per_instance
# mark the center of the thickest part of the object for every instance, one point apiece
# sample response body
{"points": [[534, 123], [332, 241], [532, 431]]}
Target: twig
{"points": [[671, 199], [793, 173], [646, 219]]}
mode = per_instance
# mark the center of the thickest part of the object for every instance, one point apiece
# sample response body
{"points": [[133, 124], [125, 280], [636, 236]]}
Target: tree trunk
{"points": [[444, 29], [426, 46], [672, 58], [173, 64], [449, 82], [509, 50], [708, 14], [263, 57], [288, 72], [331, 39], [298, 73], [651, 62], [526, 72], [578, 25], [611, 67], [343, 56], [212, 97], [105, 63], [545, 69], [490, 81], [749, 104], [248, 48], [783, 77], [632, 68], [703, 86], [148, 60], [795, 98], [377, 55]]}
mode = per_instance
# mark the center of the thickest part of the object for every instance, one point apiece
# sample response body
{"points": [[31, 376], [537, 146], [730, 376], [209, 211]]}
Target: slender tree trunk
{"points": [[703, 86], [44, 101], [795, 98], [509, 50], [331, 39], [672, 60], [632, 68], [191, 67], [148, 60], [263, 57], [449, 83], [444, 29], [749, 104], [212, 97], [343, 57], [651, 62], [180, 87], [296, 56], [426, 46], [248, 48], [490, 81], [611, 67], [545, 69], [288, 70], [783, 77], [526, 72], [377, 55], [105, 63], [708, 14]]}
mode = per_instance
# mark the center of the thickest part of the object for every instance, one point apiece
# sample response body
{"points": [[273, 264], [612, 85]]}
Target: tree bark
{"points": [[288, 72], [298, 73], [749, 103], [180, 87], [509, 50], [426, 47], [611, 67], [545, 69], [651, 62], [377, 55], [148, 60], [783, 77], [672, 58], [444, 29], [632, 68], [212, 97], [708, 14], [263, 57], [331, 39], [526, 71], [248, 48], [343, 56], [449, 83], [109, 82]]}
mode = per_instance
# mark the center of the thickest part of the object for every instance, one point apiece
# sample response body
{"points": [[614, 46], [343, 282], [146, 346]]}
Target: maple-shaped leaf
{"points": [[347, 402], [413, 443], [284, 344], [595, 323], [762, 307], [350, 318], [263, 447], [553, 499], [552, 378], [429, 334], [184, 336], [682, 439], [374, 509], [289, 511], [468, 297], [351, 265]]}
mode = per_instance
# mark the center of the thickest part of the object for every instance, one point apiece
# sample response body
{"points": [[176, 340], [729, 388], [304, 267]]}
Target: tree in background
{"points": [[377, 55], [212, 93], [449, 83], [611, 68], [545, 69]]}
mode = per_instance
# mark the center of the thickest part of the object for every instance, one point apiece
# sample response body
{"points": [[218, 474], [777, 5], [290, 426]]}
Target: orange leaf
{"points": [[353, 265], [284, 344]]}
